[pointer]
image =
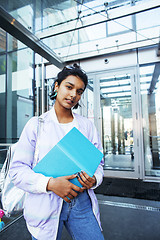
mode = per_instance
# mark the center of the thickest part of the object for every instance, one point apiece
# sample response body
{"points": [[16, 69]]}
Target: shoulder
{"points": [[86, 126], [34, 120], [47, 116], [83, 120], [30, 129]]}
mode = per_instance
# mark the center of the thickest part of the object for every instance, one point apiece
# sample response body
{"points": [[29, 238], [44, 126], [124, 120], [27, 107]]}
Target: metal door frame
{"points": [[40, 70], [136, 113]]}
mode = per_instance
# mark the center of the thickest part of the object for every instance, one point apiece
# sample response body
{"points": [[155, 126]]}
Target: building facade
{"points": [[116, 43]]}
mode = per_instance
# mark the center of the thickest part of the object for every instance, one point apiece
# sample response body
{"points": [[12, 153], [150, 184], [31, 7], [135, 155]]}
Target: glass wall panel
{"points": [[19, 92], [120, 25], [16, 94], [48, 90], [150, 92], [147, 24], [106, 36], [58, 12], [2, 40], [148, 19], [90, 100], [22, 11], [2, 96], [2, 107], [51, 74], [142, 1], [62, 40], [14, 44]]}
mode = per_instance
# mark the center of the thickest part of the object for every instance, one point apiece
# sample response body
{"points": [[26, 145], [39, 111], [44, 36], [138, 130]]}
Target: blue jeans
{"points": [[79, 219]]}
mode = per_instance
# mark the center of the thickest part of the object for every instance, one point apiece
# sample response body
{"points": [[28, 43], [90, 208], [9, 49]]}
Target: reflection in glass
{"points": [[19, 93], [48, 90], [2, 107], [120, 25], [58, 12], [60, 23], [150, 92], [2, 40], [16, 101], [14, 44], [90, 100], [22, 11], [117, 122], [2, 95]]}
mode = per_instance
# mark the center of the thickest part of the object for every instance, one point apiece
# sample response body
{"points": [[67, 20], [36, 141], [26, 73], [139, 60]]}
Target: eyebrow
{"points": [[74, 85]]}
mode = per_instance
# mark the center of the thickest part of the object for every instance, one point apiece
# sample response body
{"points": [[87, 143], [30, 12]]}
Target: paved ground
{"points": [[122, 219]]}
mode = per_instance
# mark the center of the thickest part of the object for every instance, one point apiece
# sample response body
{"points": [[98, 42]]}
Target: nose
{"points": [[73, 93]]}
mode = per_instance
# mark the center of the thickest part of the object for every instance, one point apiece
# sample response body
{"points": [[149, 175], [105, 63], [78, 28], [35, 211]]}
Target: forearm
{"points": [[24, 178]]}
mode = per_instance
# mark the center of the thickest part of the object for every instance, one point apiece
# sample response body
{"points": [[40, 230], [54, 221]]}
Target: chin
{"points": [[68, 107]]}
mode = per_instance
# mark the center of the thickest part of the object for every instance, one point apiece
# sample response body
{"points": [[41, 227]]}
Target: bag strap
{"points": [[7, 162], [6, 165], [36, 153], [5, 168]]}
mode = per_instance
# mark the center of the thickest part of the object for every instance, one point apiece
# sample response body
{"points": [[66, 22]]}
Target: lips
{"points": [[69, 101]]}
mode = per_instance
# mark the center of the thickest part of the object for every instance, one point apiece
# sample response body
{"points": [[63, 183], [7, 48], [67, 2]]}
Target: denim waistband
{"points": [[80, 197]]}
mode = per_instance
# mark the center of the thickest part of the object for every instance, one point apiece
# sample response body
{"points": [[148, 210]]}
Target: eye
{"points": [[79, 92], [69, 87]]}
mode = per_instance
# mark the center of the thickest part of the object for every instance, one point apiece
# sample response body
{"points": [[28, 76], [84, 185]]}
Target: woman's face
{"points": [[69, 91]]}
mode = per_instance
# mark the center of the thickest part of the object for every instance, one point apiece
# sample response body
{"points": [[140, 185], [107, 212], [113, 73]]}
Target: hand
{"points": [[85, 180], [63, 187]]}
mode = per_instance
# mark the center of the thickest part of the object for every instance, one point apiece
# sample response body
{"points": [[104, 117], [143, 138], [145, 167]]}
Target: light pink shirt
{"points": [[42, 209]]}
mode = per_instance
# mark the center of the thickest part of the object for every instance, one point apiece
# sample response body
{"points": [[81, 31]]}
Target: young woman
{"points": [[53, 202]]}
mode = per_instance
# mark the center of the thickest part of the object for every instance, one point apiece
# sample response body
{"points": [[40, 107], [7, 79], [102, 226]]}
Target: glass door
{"points": [[150, 99], [119, 122]]}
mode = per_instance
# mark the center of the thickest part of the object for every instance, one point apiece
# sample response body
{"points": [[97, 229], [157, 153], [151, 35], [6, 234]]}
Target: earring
{"points": [[54, 93]]}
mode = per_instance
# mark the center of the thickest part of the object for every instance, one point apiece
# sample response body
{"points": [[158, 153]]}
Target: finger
{"points": [[70, 176], [73, 193], [76, 188], [70, 196], [82, 181], [67, 200], [82, 188], [90, 179], [94, 180], [85, 178]]}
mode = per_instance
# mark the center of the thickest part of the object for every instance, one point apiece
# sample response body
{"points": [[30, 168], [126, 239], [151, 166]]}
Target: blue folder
{"points": [[73, 153]]}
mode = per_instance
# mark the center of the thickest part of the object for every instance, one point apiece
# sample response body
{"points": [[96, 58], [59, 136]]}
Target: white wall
{"points": [[119, 60]]}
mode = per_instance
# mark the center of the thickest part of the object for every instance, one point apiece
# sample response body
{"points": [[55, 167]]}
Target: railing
{"points": [[14, 217], [3, 151]]}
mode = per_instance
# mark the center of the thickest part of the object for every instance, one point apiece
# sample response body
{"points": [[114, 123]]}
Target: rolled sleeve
{"points": [[41, 184], [97, 142], [99, 176]]}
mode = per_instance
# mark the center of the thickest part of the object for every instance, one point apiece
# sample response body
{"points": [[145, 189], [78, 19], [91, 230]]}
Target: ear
{"points": [[56, 86]]}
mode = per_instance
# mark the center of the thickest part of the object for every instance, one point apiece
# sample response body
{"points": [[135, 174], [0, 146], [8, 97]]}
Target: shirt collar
{"points": [[54, 116]]}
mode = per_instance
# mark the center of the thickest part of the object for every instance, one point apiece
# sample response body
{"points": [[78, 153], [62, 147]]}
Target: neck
{"points": [[63, 115]]}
